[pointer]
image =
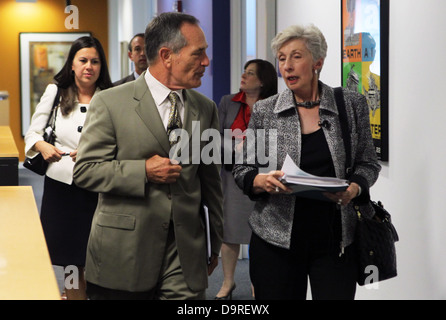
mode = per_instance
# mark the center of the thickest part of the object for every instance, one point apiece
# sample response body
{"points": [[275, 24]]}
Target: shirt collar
{"points": [[240, 97], [159, 91]]}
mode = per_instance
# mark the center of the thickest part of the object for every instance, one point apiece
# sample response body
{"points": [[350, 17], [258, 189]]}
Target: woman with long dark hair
{"points": [[67, 210]]}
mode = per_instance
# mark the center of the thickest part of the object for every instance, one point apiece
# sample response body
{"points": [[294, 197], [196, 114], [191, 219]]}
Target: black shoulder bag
{"points": [[375, 237], [38, 164]]}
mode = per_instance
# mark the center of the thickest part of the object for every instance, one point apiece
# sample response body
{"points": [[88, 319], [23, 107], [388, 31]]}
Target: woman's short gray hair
{"points": [[313, 37]]}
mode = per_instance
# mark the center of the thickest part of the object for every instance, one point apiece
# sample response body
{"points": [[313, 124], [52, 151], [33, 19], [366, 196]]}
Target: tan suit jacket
{"points": [[130, 226]]}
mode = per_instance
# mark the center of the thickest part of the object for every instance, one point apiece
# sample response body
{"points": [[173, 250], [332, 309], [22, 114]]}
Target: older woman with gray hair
{"points": [[294, 237]]}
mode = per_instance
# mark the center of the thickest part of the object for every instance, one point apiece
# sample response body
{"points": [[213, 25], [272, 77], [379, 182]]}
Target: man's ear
{"points": [[165, 55]]}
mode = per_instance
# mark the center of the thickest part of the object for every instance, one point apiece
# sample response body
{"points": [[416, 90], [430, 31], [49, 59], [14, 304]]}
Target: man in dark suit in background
{"points": [[138, 56]]}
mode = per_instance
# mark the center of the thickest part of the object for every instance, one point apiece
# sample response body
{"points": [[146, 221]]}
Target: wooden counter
{"points": [[8, 148], [26, 272], [9, 158]]}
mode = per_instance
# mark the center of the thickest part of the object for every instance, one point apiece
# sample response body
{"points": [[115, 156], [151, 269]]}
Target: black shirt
{"points": [[316, 224]]}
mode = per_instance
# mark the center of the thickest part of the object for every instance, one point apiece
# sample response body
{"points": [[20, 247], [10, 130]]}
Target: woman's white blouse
{"points": [[68, 132]]}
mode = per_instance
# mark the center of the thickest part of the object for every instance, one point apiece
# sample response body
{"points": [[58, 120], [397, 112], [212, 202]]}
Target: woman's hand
{"points": [[343, 198], [270, 183], [73, 155], [49, 152]]}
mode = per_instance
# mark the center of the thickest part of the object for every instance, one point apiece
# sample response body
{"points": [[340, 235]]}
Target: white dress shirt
{"points": [[160, 94]]}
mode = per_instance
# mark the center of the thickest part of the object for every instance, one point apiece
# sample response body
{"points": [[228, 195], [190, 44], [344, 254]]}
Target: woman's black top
{"points": [[316, 224]]}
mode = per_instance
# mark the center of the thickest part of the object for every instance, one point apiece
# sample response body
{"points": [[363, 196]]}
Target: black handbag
{"points": [[38, 164], [375, 241], [375, 237]]}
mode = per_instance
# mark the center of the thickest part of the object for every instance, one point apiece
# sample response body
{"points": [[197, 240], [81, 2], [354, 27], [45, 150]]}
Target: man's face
{"points": [[138, 56], [189, 64]]}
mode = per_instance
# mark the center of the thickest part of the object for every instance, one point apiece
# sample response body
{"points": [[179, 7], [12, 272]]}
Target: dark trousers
{"points": [[282, 274]]}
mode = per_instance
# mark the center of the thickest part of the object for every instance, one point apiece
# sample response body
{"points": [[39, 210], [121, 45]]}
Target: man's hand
{"points": [[162, 170]]}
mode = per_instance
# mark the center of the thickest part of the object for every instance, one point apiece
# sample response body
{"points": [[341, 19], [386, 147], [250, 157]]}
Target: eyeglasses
{"points": [[250, 73]]}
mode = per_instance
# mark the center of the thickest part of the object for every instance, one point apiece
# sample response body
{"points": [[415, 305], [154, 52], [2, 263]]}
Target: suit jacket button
{"points": [[165, 226], [169, 196], [79, 129]]}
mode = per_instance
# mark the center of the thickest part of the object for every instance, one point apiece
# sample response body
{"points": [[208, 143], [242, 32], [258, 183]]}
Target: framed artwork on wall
{"points": [[42, 56], [365, 63]]}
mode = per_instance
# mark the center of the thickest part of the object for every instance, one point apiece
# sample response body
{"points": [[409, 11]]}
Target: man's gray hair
{"points": [[165, 31]]}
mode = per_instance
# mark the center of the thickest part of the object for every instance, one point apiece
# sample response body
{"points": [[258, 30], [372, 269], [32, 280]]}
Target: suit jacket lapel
{"points": [[191, 113], [232, 112], [148, 112]]}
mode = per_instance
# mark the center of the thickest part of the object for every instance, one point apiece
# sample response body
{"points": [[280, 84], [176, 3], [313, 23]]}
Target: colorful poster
{"points": [[361, 58]]}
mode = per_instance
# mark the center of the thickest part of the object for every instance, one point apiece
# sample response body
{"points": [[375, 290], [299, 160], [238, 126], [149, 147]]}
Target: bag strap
{"points": [[340, 102], [52, 118]]}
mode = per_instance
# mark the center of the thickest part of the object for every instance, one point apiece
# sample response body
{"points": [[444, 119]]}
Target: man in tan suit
{"points": [[148, 238]]}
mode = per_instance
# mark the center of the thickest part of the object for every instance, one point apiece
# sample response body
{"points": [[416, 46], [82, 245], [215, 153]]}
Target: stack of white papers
{"points": [[308, 185]]}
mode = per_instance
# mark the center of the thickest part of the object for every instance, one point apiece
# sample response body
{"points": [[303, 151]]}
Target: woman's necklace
{"points": [[308, 104]]}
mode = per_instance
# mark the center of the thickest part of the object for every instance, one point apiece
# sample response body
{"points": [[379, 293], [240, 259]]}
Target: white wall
{"points": [[412, 184], [323, 14]]}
